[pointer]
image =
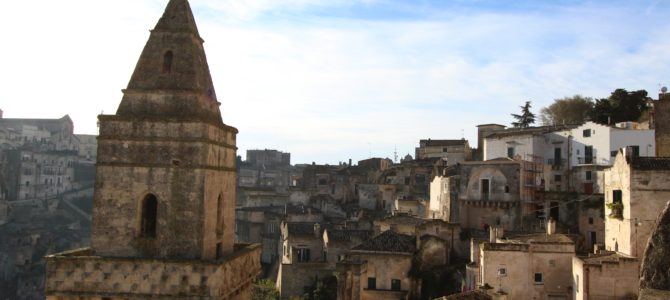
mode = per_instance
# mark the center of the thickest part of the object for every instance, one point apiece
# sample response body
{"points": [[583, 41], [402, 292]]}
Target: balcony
{"points": [[586, 160]]}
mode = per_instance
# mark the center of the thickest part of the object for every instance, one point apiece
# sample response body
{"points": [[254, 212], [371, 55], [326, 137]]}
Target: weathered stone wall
{"points": [[186, 165], [662, 125], [76, 273], [609, 280], [295, 277]]}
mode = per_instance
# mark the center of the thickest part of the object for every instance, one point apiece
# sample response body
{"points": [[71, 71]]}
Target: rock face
{"points": [[655, 271]]}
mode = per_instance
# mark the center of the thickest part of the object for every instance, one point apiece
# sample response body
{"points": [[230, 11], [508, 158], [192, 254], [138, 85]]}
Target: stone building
{"points": [[530, 266], [303, 258], [452, 151], [379, 269], [164, 203], [635, 192]]}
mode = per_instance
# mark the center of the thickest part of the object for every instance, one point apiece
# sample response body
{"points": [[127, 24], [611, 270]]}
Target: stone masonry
{"points": [[164, 202]]}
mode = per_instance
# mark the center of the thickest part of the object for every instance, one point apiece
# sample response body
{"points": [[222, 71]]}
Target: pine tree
{"points": [[525, 118]]}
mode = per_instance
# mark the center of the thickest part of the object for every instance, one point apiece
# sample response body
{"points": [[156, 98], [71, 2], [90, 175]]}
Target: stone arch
{"points": [[168, 57], [149, 216]]}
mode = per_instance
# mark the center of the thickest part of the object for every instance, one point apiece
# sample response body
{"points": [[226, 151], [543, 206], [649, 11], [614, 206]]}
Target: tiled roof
{"points": [[528, 131], [429, 143], [542, 238], [599, 259], [389, 241], [651, 163], [404, 219], [348, 235]]}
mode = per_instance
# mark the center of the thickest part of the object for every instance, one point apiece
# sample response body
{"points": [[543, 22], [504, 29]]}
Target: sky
{"points": [[332, 80]]}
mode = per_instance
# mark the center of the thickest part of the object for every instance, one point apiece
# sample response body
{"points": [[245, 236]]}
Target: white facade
{"points": [[605, 141]]}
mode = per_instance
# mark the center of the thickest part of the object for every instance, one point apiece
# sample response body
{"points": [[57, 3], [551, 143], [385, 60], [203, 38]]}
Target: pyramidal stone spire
{"points": [[171, 80]]}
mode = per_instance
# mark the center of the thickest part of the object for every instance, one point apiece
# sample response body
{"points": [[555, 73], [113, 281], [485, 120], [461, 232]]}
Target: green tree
{"points": [[264, 289], [525, 119], [620, 106], [568, 110]]}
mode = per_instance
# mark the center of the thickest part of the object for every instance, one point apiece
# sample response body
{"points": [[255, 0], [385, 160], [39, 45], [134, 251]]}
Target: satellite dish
{"points": [[664, 89]]}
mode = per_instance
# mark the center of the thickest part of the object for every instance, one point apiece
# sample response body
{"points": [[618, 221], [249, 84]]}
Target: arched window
{"points": [[149, 213], [167, 62], [219, 216]]}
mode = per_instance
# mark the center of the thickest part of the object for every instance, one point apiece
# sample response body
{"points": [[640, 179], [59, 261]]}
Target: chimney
{"points": [[551, 226], [350, 162], [317, 230]]}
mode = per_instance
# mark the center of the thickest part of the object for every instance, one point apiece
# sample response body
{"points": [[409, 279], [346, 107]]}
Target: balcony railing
{"points": [[586, 160]]}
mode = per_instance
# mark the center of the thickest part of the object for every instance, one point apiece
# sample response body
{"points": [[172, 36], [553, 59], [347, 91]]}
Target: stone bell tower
{"points": [[164, 203]]}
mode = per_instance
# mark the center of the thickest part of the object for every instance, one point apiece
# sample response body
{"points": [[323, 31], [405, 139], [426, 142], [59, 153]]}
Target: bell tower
{"points": [[164, 200], [165, 182]]}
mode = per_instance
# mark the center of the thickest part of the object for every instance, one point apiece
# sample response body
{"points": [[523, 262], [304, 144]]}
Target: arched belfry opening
{"points": [[167, 61], [149, 216]]}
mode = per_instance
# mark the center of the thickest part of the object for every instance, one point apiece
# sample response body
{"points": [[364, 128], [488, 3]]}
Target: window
{"points": [[219, 250], [588, 175], [167, 62], [395, 284], [510, 152], [27, 183], [372, 283], [635, 150], [538, 278], [617, 196], [445, 149], [507, 189], [588, 154], [149, 214], [591, 221], [557, 178], [303, 254], [502, 272], [323, 181], [586, 133]]}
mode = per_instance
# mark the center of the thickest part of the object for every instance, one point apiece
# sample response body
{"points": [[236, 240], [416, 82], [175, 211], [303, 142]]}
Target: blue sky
{"points": [[339, 79]]}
